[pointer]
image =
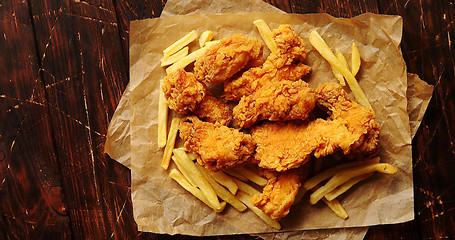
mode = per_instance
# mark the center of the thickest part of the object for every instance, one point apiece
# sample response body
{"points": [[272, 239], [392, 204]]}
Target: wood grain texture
{"points": [[64, 66], [32, 203]]}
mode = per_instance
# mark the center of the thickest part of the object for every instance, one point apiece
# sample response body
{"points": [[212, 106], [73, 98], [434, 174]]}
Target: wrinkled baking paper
{"points": [[142, 178]]}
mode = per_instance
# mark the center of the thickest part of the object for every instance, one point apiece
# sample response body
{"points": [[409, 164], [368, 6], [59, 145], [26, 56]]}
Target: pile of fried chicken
{"points": [[272, 114]]}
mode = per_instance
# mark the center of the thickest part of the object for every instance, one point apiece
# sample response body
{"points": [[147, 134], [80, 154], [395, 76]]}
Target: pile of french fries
{"points": [[236, 186]]}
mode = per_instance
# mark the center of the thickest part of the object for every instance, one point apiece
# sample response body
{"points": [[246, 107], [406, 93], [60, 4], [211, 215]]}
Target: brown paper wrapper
{"points": [[162, 206]]}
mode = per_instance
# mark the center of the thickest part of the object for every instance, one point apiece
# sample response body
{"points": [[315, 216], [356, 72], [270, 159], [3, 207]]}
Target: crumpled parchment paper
{"points": [[155, 205]]}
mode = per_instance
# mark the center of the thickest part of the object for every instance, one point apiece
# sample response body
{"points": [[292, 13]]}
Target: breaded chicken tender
{"points": [[279, 194], [182, 91], [359, 120], [213, 110], [285, 63], [350, 128], [226, 58], [217, 147], [276, 101]]}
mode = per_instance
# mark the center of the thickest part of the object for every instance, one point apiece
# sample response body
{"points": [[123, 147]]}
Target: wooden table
{"points": [[64, 67]]}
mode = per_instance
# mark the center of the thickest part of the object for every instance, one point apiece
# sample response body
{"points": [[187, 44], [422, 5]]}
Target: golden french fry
{"points": [[224, 180], [344, 176], [338, 76], [245, 198], [205, 37], [318, 43], [174, 57], [211, 43], [266, 34], [235, 174], [246, 188], [182, 63], [318, 178], [346, 186], [337, 208], [222, 192], [197, 176], [172, 136], [163, 111], [179, 44], [184, 171], [180, 179], [192, 156], [341, 57], [250, 175], [355, 59]]}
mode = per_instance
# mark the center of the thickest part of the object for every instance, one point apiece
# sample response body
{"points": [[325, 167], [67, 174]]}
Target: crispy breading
{"points": [[359, 120], [350, 128], [182, 91], [279, 194], [217, 146], [213, 110], [285, 63], [224, 59], [276, 101]]}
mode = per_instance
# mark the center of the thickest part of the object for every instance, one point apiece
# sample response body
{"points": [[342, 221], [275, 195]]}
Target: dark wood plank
{"points": [[346, 9], [32, 203], [427, 47], [85, 74]]}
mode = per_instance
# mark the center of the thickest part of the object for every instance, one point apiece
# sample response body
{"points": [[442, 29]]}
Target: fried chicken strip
{"points": [[217, 146], [359, 120], [285, 63], [279, 194], [182, 91], [213, 110], [226, 58], [351, 128], [276, 101]]}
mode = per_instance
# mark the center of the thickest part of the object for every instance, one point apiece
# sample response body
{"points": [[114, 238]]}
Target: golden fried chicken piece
{"points": [[213, 110], [359, 120], [182, 91], [285, 63], [226, 58], [217, 146], [279, 194], [351, 128], [276, 101]]}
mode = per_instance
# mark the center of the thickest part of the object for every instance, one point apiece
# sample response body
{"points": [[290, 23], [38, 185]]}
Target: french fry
{"points": [[163, 111], [211, 43], [182, 63], [174, 57], [337, 73], [197, 176], [172, 136], [346, 186], [235, 174], [245, 198], [179, 44], [224, 180], [341, 57], [246, 188], [192, 156], [205, 37], [355, 59], [180, 179], [184, 171], [344, 176], [222, 192], [250, 175], [337, 208], [326, 174], [318, 43], [266, 34]]}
